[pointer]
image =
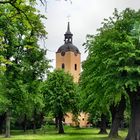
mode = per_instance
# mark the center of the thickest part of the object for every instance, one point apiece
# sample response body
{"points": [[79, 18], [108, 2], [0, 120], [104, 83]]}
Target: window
{"points": [[63, 66], [75, 66]]}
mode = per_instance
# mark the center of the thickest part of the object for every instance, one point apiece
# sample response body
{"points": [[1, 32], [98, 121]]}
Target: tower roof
{"points": [[68, 45]]}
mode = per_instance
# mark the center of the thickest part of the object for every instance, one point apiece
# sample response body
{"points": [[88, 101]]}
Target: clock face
{"points": [[75, 54], [63, 53]]}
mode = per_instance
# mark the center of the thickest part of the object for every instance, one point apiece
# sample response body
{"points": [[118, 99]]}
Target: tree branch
{"points": [[21, 11]]}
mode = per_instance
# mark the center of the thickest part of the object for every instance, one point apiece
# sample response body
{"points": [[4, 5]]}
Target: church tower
{"points": [[68, 56]]}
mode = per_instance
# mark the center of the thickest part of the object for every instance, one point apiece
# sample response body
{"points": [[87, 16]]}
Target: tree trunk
{"points": [[117, 113], [25, 123], [34, 127], [60, 118], [7, 127], [2, 120], [103, 124], [56, 122], [41, 119], [34, 122], [134, 126]]}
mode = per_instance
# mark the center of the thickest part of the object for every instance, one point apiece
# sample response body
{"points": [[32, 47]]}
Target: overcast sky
{"points": [[85, 18]]}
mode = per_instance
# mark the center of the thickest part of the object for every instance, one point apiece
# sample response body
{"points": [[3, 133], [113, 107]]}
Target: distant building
{"points": [[68, 57]]}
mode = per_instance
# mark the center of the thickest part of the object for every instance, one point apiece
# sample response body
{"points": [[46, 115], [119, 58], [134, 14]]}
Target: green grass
{"points": [[70, 134]]}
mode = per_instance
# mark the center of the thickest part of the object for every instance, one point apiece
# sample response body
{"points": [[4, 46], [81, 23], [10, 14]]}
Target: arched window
{"points": [[75, 66], [63, 66]]}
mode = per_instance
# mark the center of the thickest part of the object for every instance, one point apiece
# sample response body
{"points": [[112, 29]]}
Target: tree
{"points": [[113, 63], [60, 95], [26, 60]]}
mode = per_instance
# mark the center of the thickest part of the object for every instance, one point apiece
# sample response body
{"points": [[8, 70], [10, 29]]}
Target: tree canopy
{"points": [[112, 66]]}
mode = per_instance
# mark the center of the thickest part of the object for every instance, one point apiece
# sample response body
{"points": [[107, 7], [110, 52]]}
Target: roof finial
{"points": [[68, 29]]}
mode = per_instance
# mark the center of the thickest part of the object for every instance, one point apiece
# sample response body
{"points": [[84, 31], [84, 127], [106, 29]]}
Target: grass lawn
{"points": [[70, 134]]}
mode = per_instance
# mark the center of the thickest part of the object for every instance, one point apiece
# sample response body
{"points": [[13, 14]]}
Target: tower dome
{"points": [[68, 45]]}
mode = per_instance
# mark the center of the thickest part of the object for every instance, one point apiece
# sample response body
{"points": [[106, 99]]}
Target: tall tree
{"points": [[26, 61], [61, 95], [114, 56]]}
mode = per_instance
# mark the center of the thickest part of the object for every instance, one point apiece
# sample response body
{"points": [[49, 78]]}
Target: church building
{"points": [[68, 57]]}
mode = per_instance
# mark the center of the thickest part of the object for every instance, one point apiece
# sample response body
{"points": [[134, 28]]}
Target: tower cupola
{"points": [[68, 35], [68, 44]]}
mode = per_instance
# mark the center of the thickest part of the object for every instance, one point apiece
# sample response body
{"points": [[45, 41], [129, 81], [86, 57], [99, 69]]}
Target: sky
{"points": [[85, 17]]}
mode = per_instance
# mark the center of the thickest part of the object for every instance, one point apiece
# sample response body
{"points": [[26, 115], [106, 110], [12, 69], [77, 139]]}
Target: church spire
{"points": [[68, 28], [68, 35]]}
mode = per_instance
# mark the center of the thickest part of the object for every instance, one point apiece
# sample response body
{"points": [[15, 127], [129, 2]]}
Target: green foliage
{"points": [[20, 23], [60, 93], [112, 64]]}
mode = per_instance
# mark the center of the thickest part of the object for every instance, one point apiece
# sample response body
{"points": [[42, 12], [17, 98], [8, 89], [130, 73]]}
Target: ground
{"points": [[70, 134]]}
